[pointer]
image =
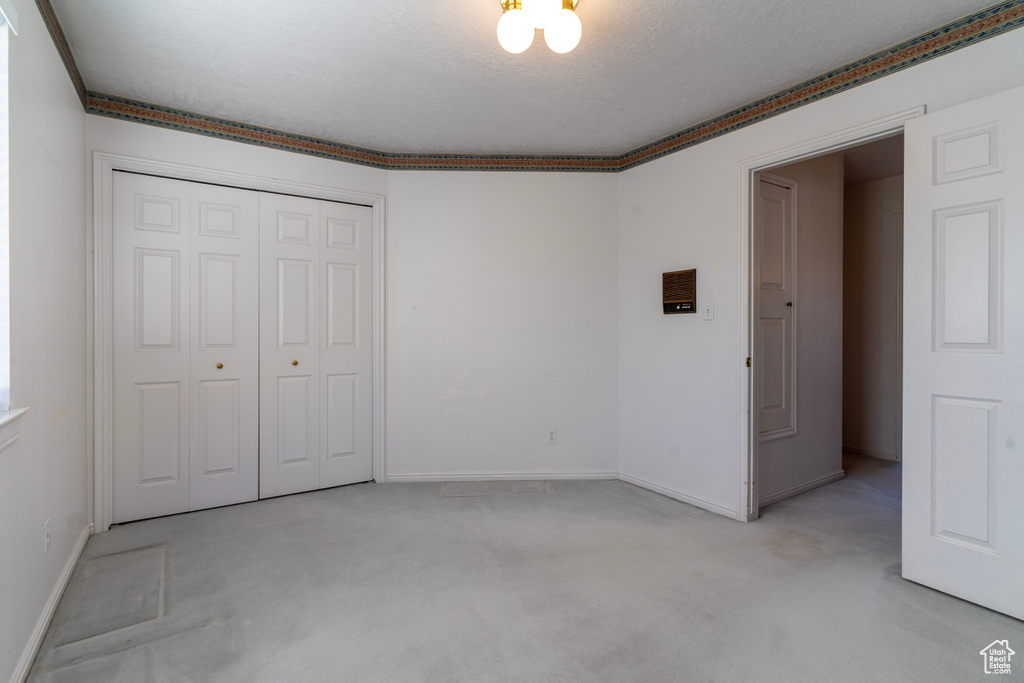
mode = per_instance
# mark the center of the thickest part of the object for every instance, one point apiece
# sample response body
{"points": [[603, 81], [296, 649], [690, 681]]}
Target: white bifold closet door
{"points": [[316, 301], [185, 332]]}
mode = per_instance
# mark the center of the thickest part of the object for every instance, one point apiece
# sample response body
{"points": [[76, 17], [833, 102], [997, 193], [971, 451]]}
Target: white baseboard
{"points": [[496, 476], [499, 476], [867, 452], [28, 655], [765, 501], [679, 495]]}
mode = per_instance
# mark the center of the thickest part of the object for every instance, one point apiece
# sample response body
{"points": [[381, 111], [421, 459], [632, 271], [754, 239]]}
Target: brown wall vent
{"points": [[679, 291]]}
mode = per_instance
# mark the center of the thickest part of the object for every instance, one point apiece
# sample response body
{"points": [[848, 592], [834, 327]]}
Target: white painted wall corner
{"points": [[28, 655], [802, 488], [689, 498]]}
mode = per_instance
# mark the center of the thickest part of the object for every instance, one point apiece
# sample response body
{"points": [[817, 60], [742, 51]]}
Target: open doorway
{"points": [[826, 274], [873, 300], [962, 343]]}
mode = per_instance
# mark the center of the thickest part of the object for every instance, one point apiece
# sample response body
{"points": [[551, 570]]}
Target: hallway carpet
{"points": [[594, 581]]}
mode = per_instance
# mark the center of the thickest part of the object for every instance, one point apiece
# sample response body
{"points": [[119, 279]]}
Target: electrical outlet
{"points": [[709, 310], [46, 536], [552, 436]]}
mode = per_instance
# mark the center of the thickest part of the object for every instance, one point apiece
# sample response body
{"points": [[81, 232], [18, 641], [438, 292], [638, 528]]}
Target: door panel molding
{"points": [[292, 332], [100, 304], [160, 289], [964, 470], [159, 428], [967, 269], [967, 153], [218, 278]]}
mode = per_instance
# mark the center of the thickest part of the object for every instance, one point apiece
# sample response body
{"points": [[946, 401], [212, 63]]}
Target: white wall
{"points": [[814, 454], [680, 408], [43, 475], [871, 284], [501, 324]]}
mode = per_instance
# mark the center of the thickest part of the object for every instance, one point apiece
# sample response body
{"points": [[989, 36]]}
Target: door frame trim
{"points": [[747, 503], [99, 380]]}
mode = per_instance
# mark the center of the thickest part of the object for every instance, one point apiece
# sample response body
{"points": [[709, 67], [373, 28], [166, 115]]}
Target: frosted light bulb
{"points": [[563, 33], [542, 12], [515, 31]]}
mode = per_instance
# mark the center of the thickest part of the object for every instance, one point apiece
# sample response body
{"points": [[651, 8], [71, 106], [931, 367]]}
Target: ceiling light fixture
{"points": [[557, 18]]}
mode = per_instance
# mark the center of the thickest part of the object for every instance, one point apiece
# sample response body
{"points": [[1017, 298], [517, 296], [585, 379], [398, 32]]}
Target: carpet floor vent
{"points": [[110, 593]]}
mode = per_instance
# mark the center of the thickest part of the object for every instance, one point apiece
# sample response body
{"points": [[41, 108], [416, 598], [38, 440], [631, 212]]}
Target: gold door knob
{"points": [[220, 365], [295, 362]]}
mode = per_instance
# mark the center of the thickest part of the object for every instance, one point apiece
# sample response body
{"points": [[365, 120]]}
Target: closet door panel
{"points": [[294, 421], [151, 332], [346, 344], [225, 346], [289, 355]]}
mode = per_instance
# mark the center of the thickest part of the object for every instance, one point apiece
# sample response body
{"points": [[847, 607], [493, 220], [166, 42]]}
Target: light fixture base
{"points": [[506, 5]]}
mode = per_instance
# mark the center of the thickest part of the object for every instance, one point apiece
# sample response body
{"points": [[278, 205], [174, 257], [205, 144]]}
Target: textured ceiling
{"points": [[430, 77]]}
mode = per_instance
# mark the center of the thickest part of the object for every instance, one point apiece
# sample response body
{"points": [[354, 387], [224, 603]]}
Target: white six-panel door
{"points": [[225, 346], [316, 359], [152, 223], [775, 220], [185, 346], [346, 358], [289, 354], [963, 359]]}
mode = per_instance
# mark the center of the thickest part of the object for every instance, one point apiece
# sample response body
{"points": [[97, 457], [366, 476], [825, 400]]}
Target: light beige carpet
{"points": [[594, 581]]}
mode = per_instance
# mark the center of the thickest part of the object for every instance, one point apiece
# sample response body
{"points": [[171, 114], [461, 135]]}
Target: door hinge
{"points": [[748, 361]]}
